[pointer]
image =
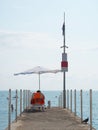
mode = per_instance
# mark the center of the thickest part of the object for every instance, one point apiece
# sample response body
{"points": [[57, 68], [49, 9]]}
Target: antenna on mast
{"points": [[64, 34]]}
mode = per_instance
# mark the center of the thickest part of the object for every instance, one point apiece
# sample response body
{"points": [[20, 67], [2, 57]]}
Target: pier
{"points": [[54, 118]]}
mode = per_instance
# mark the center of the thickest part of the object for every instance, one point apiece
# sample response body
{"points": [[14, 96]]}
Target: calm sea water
{"points": [[53, 97]]}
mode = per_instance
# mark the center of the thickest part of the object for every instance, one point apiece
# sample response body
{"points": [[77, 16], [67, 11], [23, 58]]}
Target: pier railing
{"points": [[21, 103], [75, 101]]}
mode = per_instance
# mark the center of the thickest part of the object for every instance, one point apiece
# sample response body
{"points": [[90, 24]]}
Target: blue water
{"points": [[53, 97], [86, 106], [49, 95]]}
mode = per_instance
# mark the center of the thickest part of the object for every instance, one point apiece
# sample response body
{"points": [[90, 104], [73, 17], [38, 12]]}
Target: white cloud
{"points": [[26, 40], [20, 51]]}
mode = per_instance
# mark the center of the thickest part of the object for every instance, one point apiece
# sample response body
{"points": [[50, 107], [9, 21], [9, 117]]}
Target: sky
{"points": [[31, 35]]}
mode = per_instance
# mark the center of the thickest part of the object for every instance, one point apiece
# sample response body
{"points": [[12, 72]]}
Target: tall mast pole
{"points": [[64, 73], [64, 64]]}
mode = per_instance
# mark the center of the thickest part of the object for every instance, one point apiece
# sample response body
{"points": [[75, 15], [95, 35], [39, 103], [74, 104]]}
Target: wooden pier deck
{"points": [[50, 119]]}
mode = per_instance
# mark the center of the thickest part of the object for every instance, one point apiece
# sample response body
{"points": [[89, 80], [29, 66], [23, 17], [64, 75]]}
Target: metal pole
{"points": [[81, 105], [90, 109], [39, 80], [64, 94], [75, 102], [64, 74], [71, 100], [23, 100], [64, 64], [68, 99], [29, 97], [26, 100], [16, 105], [20, 101], [59, 101], [9, 113]]}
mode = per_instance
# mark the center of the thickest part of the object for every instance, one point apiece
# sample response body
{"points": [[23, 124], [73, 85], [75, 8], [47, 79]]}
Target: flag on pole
{"points": [[63, 29]]}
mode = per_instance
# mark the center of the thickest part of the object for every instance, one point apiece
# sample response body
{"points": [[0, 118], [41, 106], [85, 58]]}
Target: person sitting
{"points": [[38, 99]]}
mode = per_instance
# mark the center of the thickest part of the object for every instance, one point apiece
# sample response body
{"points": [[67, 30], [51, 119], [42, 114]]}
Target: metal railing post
{"points": [[29, 99], [81, 105], [23, 100], [71, 100], [20, 101], [90, 109], [61, 100], [16, 105], [26, 99], [68, 99], [75, 102], [9, 111]]}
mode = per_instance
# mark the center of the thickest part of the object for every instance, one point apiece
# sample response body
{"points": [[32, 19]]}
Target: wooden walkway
{"points": [[51, 119]]}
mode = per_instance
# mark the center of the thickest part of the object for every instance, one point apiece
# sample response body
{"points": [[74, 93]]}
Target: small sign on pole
{"points": [[64, 62]]}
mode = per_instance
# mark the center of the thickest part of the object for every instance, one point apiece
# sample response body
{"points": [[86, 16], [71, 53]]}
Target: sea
{"points": [[53, 97]]}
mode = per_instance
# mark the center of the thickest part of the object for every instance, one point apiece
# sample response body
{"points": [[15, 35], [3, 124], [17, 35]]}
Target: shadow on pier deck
{"points": [[51, 119]]}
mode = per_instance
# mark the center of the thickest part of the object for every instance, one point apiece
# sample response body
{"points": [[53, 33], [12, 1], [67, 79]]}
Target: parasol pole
{"points": [[39, 80]]}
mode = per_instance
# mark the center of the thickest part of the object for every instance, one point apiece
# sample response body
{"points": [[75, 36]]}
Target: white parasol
{"points": [[38, 70]]}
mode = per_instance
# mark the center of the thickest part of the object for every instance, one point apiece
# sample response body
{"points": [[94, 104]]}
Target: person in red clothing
{"points": [[38, 98]]}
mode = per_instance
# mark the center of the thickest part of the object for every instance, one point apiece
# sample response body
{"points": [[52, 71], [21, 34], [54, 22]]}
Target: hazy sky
{"points": [[31, 35]]}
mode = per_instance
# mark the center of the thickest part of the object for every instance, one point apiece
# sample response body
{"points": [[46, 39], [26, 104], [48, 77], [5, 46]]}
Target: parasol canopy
{"points": [[38, 70]]}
